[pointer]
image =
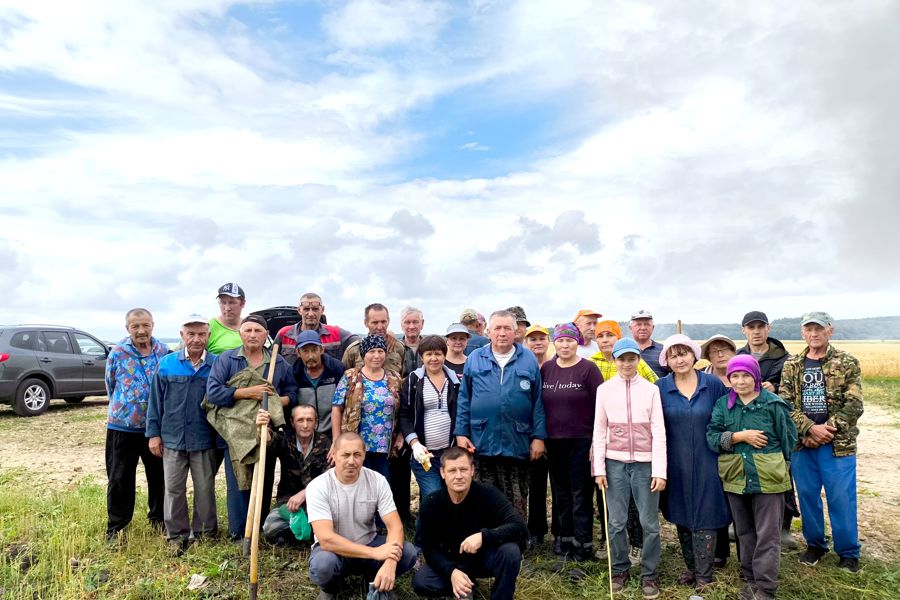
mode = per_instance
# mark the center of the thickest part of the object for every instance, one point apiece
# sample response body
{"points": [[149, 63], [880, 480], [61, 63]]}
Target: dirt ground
{"points": [[65, 445]]}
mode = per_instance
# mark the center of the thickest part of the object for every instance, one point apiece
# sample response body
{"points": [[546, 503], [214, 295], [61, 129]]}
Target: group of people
{"points": [[481, 421]]}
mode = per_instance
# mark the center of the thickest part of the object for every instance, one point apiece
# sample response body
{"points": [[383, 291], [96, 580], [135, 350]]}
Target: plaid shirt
{"points": [[608, 368]]}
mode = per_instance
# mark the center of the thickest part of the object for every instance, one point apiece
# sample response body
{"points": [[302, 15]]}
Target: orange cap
{"points": [[586, 312]]}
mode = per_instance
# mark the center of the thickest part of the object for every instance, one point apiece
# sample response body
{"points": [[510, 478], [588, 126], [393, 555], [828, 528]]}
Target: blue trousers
{"points": [[817, 468], [632, 480], [326, 569], [237, 501], [429, 481]]}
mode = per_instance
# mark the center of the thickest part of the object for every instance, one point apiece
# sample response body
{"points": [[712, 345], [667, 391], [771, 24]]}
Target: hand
{"points": [[262, 418], [255, 392], [420, 451], [768, 386], [156, 446], [822, 434], [657, 484], [296, 501], [330, 457], [388, 551], [537, 449], [809, 443], [465, 443], [471, 544], [398, 443], [285, 400], [754, 437], [460, 583], [384, 578], [601, 481]]}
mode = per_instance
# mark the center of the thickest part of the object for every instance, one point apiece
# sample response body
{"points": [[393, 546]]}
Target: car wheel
{"points": [[32, 398], [74, 400]]}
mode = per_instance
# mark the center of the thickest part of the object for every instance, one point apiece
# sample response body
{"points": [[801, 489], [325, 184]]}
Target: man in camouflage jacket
{"points": [[303, 453], [823, 384]]}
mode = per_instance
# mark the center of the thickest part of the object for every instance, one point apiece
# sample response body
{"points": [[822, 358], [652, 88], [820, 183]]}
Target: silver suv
{"points": [[40, 362]]}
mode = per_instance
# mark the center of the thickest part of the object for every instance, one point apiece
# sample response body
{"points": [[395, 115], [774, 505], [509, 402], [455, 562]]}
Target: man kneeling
{"points": [[341, 504], [465, 531]]}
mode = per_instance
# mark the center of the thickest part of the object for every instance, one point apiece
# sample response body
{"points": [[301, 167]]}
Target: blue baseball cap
{"points": [[308, 337], [624, 346]]}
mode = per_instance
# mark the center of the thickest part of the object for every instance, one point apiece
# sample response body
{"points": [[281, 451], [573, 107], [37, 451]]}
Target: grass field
{"points": [[52, 546]]}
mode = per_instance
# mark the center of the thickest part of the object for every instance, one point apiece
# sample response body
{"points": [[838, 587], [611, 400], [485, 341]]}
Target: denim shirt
{"points": [[175, 413]]}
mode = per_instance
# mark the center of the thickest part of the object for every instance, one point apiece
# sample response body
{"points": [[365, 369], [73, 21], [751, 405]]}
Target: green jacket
{"points": [[743, 468], [843, 393]]}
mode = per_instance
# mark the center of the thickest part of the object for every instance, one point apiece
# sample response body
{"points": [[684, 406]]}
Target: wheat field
{"points": [[876, 357]]}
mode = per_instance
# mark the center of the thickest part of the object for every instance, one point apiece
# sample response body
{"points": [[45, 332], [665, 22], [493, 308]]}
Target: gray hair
{"points": [[409, 310], [503, 314], [310, 296], [138, 311]]}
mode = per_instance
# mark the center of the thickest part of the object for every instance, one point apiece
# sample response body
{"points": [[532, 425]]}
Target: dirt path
{"points": [[64, 446]]}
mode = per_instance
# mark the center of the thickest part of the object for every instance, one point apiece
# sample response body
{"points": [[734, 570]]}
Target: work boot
{"points": [[787, 540]]}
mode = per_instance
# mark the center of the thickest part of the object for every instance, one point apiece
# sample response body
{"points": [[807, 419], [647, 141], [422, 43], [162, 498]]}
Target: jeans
{"points": [[698, 548], [757, 523], [326, 569], [570, 478], [429, 481], [501, 562], [176, 464], [632, 479], [123, 450], [815, 468]]}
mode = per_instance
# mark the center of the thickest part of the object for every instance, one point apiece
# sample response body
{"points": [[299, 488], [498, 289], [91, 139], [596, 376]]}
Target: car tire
{"points": [[32, 398], [74, 400]]}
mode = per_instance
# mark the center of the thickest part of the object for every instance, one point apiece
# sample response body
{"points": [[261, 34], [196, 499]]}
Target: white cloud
{"points": [[474, 147], [374, 24]]}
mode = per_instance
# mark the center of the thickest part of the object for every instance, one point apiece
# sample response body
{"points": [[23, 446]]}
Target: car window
{"points": [[56, 341], [24, 340], [88, 345]]}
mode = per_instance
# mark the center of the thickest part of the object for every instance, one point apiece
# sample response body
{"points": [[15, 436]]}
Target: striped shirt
{"points": [[437, 416]]}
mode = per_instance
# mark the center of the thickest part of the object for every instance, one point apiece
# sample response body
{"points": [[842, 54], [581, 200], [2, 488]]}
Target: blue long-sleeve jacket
{"points": [[231, 362], [128, 380], [174, 412], [501, 414]]}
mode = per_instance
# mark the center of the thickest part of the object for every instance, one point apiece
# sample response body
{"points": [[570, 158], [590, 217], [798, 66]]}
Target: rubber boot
{"points": [[787, 540]]}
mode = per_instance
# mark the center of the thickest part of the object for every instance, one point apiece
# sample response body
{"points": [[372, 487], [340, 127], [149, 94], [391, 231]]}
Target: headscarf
{"points": [[747, 364], [568, 330], [679, 339], [610, 326], [372, 342]]}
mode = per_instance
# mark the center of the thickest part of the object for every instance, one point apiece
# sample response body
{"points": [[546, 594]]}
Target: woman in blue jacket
{"points": [[693, 500]]}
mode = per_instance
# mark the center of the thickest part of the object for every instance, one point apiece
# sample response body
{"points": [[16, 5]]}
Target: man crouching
{"points": [[467, 530], [341, 504]]}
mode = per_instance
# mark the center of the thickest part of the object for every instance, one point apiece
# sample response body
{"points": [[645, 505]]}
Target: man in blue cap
{"points": [[317, 374]]}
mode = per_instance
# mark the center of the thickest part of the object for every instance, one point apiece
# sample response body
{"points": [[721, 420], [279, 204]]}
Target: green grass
{"points": [[47, 528], [57, 526], [883, 391]]}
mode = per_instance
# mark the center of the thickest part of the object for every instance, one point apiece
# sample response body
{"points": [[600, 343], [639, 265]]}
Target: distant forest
{"points": [[872, 328]]}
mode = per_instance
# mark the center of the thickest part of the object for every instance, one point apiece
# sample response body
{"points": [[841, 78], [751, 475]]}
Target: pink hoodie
{"points": [[628, 425]]}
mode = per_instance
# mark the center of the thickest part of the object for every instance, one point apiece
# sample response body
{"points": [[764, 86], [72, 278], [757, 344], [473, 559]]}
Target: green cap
{"points": [[818, 317]]}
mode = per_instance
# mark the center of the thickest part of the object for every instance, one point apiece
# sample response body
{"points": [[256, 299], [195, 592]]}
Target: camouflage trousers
{"points": [[509, 475]]}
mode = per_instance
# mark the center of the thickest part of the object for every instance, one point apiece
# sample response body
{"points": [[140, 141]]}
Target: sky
{"points": [[696, 159]]}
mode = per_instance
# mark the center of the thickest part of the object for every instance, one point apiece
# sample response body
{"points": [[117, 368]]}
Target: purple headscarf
{"points": [[747, 364], [569, 330]]}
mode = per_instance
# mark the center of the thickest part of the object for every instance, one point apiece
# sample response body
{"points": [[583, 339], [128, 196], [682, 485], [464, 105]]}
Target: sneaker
{"points": [[650, 587], [848, 563], [619, 581], [812, 555], [634, 555]]}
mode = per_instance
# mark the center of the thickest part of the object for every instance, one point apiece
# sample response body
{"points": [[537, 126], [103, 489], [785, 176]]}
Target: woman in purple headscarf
{"points": [[693, 500], [752, 431]]}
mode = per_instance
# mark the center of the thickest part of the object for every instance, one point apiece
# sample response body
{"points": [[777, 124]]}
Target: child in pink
{"points": [[629, 459]]}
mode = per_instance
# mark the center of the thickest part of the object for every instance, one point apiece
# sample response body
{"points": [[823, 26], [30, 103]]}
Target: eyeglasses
{"points": [[721, 351]]}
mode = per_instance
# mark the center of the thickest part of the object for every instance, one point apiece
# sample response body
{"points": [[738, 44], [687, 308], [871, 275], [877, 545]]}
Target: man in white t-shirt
{"points": [[341, 504]]}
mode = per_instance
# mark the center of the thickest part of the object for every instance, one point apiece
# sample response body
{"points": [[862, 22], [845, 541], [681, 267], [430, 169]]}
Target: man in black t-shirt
{"points": [[467, 530]]}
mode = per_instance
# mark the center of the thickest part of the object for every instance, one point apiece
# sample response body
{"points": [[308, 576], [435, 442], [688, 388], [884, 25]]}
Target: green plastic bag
{"points": [[298, 522]]}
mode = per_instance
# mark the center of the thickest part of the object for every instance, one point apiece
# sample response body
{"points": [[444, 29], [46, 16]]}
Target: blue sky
{"points": [[611, 155]]}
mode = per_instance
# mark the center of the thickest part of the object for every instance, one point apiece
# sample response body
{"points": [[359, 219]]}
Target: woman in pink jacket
{"points": [[629, 458]]}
